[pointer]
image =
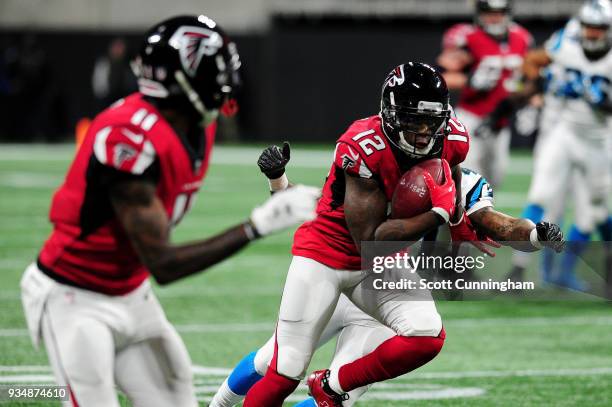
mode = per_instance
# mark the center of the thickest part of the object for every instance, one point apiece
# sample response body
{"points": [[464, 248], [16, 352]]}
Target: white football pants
{"points": [[358, 334], [312, 291], [568, 157], [487, 156], [95, 341]]}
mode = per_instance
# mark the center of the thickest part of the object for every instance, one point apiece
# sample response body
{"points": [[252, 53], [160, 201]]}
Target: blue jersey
{"points": [[575, 85]]}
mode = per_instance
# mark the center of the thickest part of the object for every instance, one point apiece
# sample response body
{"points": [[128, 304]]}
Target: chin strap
{"points": [[208, 116]]}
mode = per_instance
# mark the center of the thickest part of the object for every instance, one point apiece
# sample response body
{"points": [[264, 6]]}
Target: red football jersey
{"points": [[88, 247], [363, 151], [496, 62]]}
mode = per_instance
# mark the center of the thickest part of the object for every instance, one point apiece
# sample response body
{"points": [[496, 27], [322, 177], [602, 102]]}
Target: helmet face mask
{"points": [[415, 109], [494, 17], [416, 132], [595, 39], [188, 61], [595, 18]]}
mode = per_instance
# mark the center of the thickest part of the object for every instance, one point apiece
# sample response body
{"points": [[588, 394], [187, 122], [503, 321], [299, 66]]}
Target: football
{"points": [[411, 196]]}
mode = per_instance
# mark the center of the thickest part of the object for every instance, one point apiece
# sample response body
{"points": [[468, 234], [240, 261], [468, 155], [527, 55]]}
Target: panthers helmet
{"points": [[415, 103], [188, 61], [498, 29], [596, 14]]}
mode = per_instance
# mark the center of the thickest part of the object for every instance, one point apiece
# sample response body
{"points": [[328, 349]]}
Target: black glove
{"points": [[273, 160], [550, 235]]}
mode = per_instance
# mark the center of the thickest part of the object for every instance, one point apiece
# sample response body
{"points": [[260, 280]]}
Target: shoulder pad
{"points": [[361, 148], [456, 143], [348, 158], [124, 148], [553, 43], [456, 36], [520, 31]]}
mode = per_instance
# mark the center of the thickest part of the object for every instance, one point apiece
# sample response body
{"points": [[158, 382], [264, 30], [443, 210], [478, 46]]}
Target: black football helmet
{"points": [[188, 61], [415, 103], [500, 29]]}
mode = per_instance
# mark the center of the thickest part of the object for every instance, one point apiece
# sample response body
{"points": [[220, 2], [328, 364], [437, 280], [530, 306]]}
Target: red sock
{"points": [[394, 357], [270, 391]]}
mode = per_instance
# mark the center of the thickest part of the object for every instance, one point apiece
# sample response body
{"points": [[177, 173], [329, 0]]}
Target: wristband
{"points": [[279, 184], [250, 231], [442, 213], [533, 238]]}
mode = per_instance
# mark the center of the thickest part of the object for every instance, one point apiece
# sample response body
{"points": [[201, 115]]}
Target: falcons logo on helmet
{"points": [[193, 43], [396, 77]]}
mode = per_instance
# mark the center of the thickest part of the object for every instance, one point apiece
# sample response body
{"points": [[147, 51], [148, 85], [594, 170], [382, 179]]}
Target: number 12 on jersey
{"points": [[365, 143]]}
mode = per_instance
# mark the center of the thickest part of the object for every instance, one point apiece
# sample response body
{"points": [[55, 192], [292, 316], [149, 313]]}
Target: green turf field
{"points": [[503, 353]]}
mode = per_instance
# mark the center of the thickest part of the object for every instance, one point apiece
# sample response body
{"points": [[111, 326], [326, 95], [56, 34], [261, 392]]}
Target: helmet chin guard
{"points": [[412, 150]]}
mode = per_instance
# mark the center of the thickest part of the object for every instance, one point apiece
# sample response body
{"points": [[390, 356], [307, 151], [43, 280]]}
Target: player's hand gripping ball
{"points": [[411, 196]]}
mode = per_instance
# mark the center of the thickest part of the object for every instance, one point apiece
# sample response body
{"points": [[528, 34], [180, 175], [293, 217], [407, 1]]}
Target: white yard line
{"points": [[42, 373], [225, 327], [13, 295], [29, 180], [210, 371], [450, 323], [25, 368], [593, 371], [529, 321], [224, 155], [28, 378]]}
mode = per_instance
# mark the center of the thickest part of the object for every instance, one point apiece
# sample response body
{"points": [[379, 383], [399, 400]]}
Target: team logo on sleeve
{"points": [[122, 153], [349, 160], [193, 43]]}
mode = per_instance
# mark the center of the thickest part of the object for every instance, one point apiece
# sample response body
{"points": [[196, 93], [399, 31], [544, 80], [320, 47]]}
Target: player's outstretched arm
{"points": [[534, 61], [520, 234], [272, 162], [454, 61], [144, 219]]}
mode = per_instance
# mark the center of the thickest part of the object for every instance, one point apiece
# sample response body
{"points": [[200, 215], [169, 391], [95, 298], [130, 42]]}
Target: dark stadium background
{"points": [[305, 78]]}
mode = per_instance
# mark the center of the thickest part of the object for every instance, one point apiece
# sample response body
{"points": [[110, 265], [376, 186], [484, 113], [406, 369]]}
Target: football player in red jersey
{"points": [[415, 124], [134, 177], [483, 60], [358, 333]]}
